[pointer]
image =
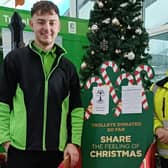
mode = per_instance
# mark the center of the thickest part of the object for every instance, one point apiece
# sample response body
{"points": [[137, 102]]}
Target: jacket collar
{"points": [[56, 48]]}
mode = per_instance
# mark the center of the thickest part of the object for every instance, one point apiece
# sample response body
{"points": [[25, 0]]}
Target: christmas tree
{"points": [[115, 33]]}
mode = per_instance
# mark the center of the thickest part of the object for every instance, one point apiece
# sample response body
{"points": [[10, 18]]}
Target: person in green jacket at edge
{"points": [[41, 116], [160, 90]]}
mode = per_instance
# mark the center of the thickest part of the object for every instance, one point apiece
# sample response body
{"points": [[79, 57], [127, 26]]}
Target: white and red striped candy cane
{"points": [[118, 109], [106, 78], [123, 76], [89, 83], [92, 80], [138, 79], [141, 68], [130, 80], [88, 111]]}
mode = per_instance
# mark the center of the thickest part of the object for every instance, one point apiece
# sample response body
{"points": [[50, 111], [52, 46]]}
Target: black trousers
{"points": [[33, 159], [163, 162]]}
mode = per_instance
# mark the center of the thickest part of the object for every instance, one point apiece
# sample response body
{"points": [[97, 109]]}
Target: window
{"points": [[157, 25]]}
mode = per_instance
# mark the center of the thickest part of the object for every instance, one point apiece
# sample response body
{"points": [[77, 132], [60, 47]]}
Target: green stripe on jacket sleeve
{"points": [[4, 122], [77, 118], [77, 125]]}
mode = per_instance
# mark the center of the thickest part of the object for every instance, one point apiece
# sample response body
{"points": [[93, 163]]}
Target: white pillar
{"points": [[73, 8]]}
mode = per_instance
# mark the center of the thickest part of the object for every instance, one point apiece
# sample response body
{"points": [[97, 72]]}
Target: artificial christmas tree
{"points": [[115, 33]]}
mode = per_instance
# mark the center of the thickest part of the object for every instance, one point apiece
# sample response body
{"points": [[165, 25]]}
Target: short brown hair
{"points": [[44, 7]]}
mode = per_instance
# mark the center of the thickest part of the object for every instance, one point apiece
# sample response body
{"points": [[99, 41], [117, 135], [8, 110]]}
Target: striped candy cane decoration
{"points": [[106, 78], [89, 83], [118, 109], [130, 80], [137, 73], [123, 76], [93, 80], [141, 68], [88, 111]]}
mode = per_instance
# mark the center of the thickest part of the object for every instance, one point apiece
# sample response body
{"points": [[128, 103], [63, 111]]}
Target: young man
{"points": [[41, 117]]}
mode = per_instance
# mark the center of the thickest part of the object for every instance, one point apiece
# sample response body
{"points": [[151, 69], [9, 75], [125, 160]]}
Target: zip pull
{"points": [[163, 107]]}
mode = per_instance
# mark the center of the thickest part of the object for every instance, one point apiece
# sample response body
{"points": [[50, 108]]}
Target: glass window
{"points": [[84, 7], [157, 25]]}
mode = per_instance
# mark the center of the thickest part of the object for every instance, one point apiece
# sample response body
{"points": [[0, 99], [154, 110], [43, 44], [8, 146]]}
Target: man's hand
{"points": [[72, 151], [6, 146], [162, 135]]}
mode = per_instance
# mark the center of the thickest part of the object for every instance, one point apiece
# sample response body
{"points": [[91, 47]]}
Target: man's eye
{"points": [[52, 23], [41, 22]]}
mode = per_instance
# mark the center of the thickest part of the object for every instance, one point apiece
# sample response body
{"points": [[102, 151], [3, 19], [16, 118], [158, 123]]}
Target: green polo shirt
{"points": [[47, 57]]}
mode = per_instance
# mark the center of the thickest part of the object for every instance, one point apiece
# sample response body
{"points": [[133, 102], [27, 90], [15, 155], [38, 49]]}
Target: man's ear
{"points": [[31, 23], [59, 26]]}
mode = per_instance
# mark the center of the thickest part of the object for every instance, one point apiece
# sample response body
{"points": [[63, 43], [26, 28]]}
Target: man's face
{"points": [[46, 27]]}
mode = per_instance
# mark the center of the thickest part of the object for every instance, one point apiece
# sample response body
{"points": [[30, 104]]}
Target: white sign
{"points": [[131, 99], [101, 100], [72, 27]]}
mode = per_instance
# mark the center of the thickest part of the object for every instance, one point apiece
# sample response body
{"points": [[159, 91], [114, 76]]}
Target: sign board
{"points": [[117, 138]]}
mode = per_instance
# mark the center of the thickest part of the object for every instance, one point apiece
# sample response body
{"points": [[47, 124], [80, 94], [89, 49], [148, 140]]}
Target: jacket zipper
{"points": [[45, 100], [163, 107], [45, 96]]}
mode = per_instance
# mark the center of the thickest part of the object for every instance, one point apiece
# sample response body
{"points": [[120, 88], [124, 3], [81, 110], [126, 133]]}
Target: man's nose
{"points": [[47, 25]]}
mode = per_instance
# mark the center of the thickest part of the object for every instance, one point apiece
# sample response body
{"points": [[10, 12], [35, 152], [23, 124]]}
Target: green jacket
{"points": [[38, 111]]}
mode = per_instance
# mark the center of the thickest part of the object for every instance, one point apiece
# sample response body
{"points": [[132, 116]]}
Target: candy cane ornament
{"points": [[119, 80], [138, 79], [92, 80], [89, 83], [141, 68], [124, 76], [107, 80], [88, 111]]}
